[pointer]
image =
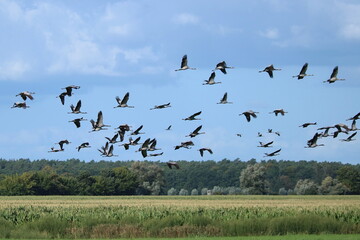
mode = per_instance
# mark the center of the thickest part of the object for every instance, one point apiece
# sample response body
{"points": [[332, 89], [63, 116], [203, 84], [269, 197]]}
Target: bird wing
{"points": [[100, 119], [62, 97], [121, 135], [247, 115], [114, 137], [223, 70], [68, 90], [78, 106], [27, 94], [276, 151], [201, 152], [126, 98], [210, 151], [153, 144], [111, 149], [144, 153], [221, 65], [184, 61], [351, 136], [118, 100], [253, 114], [224, 98], [136, 140], [138, 130], [196, 131], [195, 114], [334, 72], [304, 68], [146, 143], [77, 123], [211, 78], [93, 123], [268, 144], [270, 72]]}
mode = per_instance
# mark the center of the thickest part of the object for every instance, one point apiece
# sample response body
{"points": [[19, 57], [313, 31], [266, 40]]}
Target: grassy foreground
{"points": [[286, 237], [177, 216]]}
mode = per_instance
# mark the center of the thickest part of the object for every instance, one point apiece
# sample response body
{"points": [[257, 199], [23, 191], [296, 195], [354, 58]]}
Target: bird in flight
{"points": [[269, 69], [25, 95], [77, 121], [248, 114], [122, 103], [333, 78], [266, 145], [76, 110], [302, 73], [202, 150], [193, 117], [278, 111], [223, 100], [161, 106], [83, 145], [211, 80], [196, 132], [173, 164], [20, 105], [305, 125], [222, 66], [184, 64], [275, 153]]}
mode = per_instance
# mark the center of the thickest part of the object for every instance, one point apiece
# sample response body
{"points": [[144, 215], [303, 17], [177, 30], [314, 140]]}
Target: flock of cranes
{"points": [[148, 147]]}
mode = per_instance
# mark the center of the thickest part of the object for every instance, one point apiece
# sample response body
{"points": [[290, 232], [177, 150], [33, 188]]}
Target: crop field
{"points": [[176, 216]]}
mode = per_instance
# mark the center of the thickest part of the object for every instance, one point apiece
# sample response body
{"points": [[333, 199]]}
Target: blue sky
{"points": [[113, 47]]}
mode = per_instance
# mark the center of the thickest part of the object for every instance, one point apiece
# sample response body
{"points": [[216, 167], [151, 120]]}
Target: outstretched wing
{"points": [[78, 106], [126, 98], [304, 68], [184, 61], [334, 72]]}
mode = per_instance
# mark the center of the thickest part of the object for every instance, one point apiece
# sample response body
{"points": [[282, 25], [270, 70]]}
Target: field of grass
{"points": [[176, 216]]}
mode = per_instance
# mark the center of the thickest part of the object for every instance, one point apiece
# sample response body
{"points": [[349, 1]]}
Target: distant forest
{"points": [[75, 177]]}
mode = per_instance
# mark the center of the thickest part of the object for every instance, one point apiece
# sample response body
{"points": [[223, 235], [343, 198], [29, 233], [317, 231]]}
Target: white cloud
{"points": [[135, 55], [270, 33], [122, 30], [186, 18], [348, 15], [351, 31], [14, 69]]}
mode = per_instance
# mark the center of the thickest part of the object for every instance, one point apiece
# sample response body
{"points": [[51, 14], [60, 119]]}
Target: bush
{"points": [[204, 191], [282, 191], [172, 191], [5, 228], [194, 192], [183, 192]]}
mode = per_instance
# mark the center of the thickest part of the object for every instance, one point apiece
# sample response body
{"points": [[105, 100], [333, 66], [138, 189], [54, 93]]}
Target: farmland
{"points": [[176, 216]]}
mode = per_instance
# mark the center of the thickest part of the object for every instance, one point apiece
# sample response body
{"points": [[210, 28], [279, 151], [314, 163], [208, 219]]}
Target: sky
{"points": [[110, 48]]}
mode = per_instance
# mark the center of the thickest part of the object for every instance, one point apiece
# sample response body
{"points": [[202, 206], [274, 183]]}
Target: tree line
{"points": [[75, 177]]}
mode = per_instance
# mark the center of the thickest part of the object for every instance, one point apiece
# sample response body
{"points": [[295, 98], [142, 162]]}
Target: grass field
{"points": [[177, 216]]}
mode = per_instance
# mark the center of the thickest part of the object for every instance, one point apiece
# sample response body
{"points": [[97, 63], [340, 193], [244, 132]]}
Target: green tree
{"points": [[150, 178], [252, 179], [13, 185], [330, 186], [85, 183], [306, 187], [350, 177]]}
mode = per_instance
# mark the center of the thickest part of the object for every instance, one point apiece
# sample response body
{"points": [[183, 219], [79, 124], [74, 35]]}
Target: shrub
{"points": [[183, 192], [194, 192]]}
